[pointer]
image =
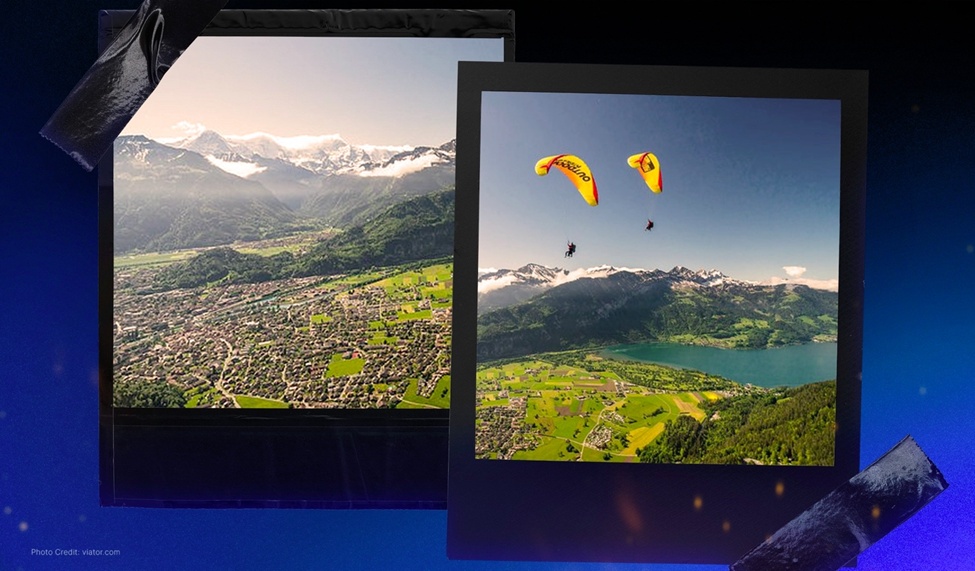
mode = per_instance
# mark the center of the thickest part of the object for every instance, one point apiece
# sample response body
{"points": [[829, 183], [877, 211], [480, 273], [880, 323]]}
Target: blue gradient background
{"points": [[918, 326]]}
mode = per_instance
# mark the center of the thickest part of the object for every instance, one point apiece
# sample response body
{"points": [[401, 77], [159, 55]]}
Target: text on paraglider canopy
{"points": [[573, 168]]}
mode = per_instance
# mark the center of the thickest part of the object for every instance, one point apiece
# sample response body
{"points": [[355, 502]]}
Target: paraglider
{"points": [[649, 168], [576, 170]]}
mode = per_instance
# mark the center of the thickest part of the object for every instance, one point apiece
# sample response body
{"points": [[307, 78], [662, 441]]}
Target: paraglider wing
{"points": [[576, 170], [649, 168]]}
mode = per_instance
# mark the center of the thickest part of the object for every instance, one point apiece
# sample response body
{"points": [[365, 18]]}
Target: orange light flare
{"points": [[628, 513]]}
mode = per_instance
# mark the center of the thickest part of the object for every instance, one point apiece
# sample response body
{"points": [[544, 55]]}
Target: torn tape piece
{"points": [[102, 103], [852, 517]]}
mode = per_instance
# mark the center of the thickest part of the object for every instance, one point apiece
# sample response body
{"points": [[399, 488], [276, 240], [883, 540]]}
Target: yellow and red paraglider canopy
{"points": [[576, 170], [649, 168]]}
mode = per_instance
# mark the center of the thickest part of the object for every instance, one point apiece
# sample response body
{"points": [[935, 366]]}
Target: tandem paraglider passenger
{"points": [[649, 168], [571, 250]]}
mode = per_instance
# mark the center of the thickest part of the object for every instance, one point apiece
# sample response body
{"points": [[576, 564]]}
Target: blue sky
{"points": [[380, 91], [750, 185]]}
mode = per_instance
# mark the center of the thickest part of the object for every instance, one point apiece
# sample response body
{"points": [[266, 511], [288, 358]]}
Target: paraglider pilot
{"points": [[649, 225], [571, 250]]}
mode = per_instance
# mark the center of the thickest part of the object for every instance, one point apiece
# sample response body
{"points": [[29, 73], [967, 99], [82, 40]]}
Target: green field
{"points": [[153, 259], [257, 402], [434, 283], [415, 314], [567, 403], [200, 395], [382, 340], [273, 250], [348, 282], [342, 367], [439, 398], [550, 449]]}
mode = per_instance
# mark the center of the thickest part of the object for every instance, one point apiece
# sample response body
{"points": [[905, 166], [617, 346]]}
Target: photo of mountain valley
{"points": [[283, 238], [657, 279]]}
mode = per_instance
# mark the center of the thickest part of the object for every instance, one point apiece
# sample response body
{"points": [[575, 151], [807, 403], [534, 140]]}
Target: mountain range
{"points": [[501, 288], [211, 189], [322, 155], [536, 309]]}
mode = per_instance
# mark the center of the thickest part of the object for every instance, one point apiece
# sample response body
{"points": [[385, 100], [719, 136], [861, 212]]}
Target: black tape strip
{"points": [[852, 517], [113, 89], [380, 23]]}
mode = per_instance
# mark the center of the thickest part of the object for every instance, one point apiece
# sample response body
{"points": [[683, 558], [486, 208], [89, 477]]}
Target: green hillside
{"points": [[421, 228]]}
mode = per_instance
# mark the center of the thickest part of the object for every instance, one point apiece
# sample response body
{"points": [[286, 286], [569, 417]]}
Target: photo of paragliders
{"points": [[658, 279]]}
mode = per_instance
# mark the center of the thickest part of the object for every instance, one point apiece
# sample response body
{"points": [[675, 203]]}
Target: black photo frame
{"points": [[298, 458], [661, 513]]}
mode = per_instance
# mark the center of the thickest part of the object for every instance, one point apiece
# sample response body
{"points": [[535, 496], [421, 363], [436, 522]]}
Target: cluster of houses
{"points": [[260, 340]]}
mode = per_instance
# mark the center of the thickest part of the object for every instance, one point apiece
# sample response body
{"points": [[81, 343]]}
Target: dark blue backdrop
{"points": [[920, 266]]}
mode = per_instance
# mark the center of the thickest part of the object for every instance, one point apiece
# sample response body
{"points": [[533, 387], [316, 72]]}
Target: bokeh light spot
{"points": [[23, 526], [698, 503], [779, 488], [726, 526]]}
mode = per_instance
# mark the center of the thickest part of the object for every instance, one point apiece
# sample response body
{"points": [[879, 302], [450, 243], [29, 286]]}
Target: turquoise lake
{"points": [[792, 365]]}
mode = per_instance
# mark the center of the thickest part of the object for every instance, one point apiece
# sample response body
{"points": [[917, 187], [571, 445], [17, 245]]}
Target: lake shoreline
{"points": [[789, 365]]}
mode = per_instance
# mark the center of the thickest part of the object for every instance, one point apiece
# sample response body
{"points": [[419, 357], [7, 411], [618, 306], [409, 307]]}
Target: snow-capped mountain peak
{"points": [[319, 154], [411, 160], [700, 278], [505, 287], [206, 142]]}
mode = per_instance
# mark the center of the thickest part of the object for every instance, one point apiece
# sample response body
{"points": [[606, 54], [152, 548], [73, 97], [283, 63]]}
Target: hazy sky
{"points": [[751, 186], [382, 91]]}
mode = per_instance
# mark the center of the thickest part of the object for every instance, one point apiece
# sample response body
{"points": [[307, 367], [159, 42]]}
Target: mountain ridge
{"points": [[211, 190], [680, 305], [418, 229], [319, 154]]}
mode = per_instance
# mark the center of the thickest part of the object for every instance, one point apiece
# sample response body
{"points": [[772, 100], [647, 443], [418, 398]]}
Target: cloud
{"points": [[240, 169], [484, 286], [186, 129], [481, 271], [794, 271], [400, 168], [189, 129]]}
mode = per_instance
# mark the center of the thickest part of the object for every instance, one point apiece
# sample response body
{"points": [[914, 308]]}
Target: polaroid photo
{"points": [[276, 272], [658, 307]]}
